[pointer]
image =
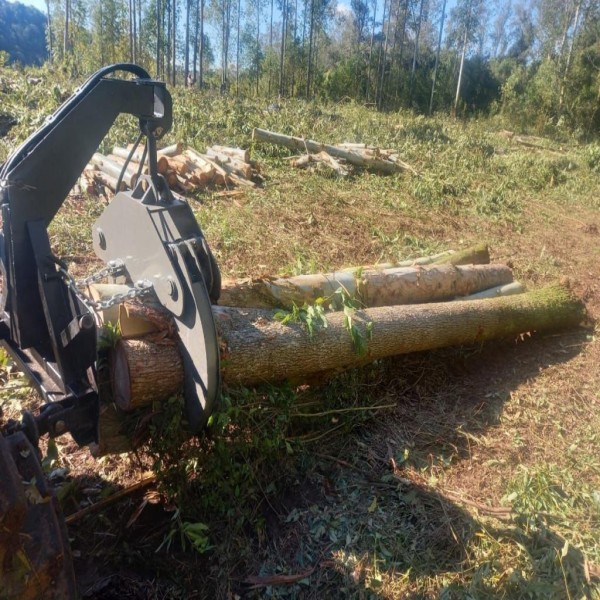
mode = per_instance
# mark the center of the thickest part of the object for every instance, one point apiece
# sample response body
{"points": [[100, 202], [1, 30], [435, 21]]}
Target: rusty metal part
{"points": [[35, 557]]}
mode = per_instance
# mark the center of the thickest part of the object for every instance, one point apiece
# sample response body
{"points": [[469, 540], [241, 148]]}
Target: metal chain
{"points": [[114, 268]]}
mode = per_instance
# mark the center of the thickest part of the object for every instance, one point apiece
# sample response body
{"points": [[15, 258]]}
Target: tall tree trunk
{"points": [[130, 15], [368, 91], [294, 47], [201, 63], [186, 68], [134, 31], [174, 48], [139, 36], [237, 58], [415, 54], [158, 33], [66, 44], [49, 31], [310, 49], [168, 21], [257, 47], [196, 28], [437, 57], [382, 56], [462, 56], [565, 76], [401, 55], [282, 49], [460, 71], [394, 38]]}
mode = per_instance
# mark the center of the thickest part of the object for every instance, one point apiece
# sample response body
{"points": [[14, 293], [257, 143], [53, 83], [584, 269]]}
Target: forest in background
{"points": [[22, 33], [535, 61]]}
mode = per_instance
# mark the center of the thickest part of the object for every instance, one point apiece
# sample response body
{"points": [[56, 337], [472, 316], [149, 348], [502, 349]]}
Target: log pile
{"points": [[264, 336], [185, 170], [376, 159]]}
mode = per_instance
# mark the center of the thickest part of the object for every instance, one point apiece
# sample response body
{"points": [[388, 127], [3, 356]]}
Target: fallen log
{"points": [[144, 371], [109, 181], [256, 347], [500, 290], [239, 153], [474, 255], [113, 169], [400, 285], [303, 145], [321, 158]]}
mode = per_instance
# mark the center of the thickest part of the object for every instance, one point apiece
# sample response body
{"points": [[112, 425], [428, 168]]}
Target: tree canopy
{"points": [[537, 62]]}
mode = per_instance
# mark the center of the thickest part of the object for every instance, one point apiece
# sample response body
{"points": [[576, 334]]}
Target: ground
{"points": [[458, 473]]}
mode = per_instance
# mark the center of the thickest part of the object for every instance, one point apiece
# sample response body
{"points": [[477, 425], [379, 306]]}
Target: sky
{"points": [[39, 4]]}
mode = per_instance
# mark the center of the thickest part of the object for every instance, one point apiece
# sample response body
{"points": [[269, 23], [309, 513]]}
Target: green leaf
{"points": [[373, 505], [51, 457]]}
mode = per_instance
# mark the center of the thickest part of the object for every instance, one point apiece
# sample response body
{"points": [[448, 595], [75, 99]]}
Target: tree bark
{"points": [[403, 285], [255, 347], [302, 145], [145, 371], [437, 56], [258, 348]]}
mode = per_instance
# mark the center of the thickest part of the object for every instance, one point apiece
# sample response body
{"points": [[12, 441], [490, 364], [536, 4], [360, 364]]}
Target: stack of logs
{"points": [[184, 170], [449, 299]]}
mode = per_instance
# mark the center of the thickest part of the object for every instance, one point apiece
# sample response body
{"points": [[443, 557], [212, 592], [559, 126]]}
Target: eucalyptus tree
{"points": [[465, 29], [437, 55], [360, 17]]}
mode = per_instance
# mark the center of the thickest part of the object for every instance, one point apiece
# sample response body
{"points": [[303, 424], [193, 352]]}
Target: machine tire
{"points": [[35, 556]]}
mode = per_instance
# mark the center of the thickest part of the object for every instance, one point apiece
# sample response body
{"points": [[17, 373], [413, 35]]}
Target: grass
{"points": [[463, 473]]}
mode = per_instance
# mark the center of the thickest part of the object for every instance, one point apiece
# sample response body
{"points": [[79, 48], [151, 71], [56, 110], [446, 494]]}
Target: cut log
{"points": [[181, 164], [257, 348], [475, 255], [197, 158], [144, 371], [400, 285], [302, 145], [230, 163], [321, 158], [172, 150], [109, 182], [239, 153], [114, 169], [87, 182], [500, 290]]}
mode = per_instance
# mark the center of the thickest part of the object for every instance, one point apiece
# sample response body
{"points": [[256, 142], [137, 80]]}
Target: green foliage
{"points": [[312, 316], [592, 154]]}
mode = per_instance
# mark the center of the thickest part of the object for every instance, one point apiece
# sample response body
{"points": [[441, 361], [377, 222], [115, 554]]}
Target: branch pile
{"points": [[335, 156], [184, 170]]}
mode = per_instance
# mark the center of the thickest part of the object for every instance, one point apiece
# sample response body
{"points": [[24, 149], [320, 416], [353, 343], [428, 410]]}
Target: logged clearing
{"points": [[464, 472]]}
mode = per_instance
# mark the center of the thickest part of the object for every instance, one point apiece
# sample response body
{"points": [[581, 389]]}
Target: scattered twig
{"points": [[112, 499], [344, 410], [257, 581]]}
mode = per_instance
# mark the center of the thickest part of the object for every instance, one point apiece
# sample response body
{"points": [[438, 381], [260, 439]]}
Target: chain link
{"points": [[114, 267]]}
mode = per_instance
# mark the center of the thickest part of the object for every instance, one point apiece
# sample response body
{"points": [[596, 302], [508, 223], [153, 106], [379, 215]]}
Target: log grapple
{"points": [[48, 325]]}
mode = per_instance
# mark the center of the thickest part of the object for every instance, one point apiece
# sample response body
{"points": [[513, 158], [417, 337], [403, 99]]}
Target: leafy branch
{"points": [[314, 317]]}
